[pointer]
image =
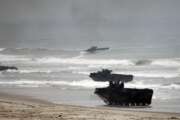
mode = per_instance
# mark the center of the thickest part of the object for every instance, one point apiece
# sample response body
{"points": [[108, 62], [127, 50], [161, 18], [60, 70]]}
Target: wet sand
{"points": [[13, 107]]}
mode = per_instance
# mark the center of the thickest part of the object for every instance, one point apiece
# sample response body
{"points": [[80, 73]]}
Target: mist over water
{"points": [[69, 69], [135, 26], [46, 41]]}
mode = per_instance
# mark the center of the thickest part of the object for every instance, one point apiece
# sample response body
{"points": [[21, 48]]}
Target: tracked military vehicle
{"points": [[116, 94], [4, 68], [95, 48]]}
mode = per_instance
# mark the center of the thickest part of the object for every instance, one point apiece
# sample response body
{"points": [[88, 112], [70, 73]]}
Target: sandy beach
{"points": [[15, 107], [66, 59]]}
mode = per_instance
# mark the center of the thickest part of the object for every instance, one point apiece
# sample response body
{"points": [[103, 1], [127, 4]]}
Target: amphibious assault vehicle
{"points": [[3, 68], [95, 48], [116, 94]]}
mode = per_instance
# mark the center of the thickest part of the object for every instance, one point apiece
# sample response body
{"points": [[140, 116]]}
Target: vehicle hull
{"points": [[125, 96]]}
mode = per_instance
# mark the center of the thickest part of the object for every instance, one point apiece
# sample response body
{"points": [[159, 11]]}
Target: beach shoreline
{"points": [[15, 107]]}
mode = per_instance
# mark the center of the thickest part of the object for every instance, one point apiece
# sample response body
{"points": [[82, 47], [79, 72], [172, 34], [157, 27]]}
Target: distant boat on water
{"points": [[95, 48]]}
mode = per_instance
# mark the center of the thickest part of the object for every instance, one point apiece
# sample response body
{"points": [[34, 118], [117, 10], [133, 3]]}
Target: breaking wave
{"points": [[80, 58], [54, 60], [167, 62], [10, 58], [2, 49], [174, 62], [153, 86], [84, 71], [31, 71], [152, 74], [142, 74], [87, 84], [26, 49], [32, 83]]}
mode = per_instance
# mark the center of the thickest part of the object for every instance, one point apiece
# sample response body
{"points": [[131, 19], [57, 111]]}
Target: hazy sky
{"points": [[81, 23]]}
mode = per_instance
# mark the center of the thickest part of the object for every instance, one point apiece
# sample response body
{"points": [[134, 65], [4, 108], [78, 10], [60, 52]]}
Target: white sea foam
{"points": [[2, 49], [81, 83], [141, 85], [35, 71], [153, 86], [82, 72], [24, 71], [166, 62], [13, 58], [153, 74], [82, 53], [171, 86], [79, 61], [143, 74], [71, 69], [157, 75], [106, 62], [88, 84]]}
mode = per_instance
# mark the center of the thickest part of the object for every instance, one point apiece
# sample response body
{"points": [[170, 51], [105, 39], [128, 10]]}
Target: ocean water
{"points": [[61, 76]]}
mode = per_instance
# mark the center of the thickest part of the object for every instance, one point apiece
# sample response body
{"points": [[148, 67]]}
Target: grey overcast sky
{"points": [[81, 23]]}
